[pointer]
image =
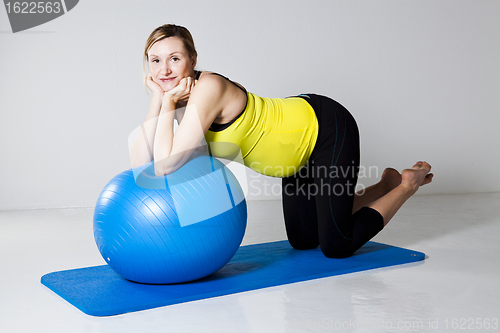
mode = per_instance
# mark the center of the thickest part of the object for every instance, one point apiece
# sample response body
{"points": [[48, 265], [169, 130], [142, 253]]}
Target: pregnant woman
{"points": [[310, 141]]}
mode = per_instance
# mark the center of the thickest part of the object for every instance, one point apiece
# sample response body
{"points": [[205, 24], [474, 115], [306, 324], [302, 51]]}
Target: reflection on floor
{"points": [[456, 287]]}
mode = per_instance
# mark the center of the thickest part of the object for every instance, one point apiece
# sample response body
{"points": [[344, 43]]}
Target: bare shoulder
{"points": [[229, 84], [209, 94], [205, 73], [211, 77], [229, 95], [213, 83]]}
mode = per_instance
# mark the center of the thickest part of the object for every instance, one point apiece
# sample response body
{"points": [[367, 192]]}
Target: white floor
{"points": [[457, 286]]}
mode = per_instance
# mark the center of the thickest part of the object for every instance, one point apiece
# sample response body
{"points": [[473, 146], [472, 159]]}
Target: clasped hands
{"points": [[181, 92]]}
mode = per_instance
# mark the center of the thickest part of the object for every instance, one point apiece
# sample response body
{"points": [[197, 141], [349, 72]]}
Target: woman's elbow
{"points": [[166, 166], [162, 170], [159, 173]]}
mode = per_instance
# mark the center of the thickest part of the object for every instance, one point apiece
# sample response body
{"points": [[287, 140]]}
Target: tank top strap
{"points": [[198, 73]]}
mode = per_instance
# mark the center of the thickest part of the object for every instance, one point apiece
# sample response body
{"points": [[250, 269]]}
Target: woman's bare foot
{"points": [[411, 180], [417, 176], [390, 179]]}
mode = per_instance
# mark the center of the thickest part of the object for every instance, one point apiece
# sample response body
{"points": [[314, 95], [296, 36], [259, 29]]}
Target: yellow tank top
{"points": [[276, 136]]}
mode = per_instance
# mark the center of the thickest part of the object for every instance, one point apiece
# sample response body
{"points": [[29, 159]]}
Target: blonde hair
{"points": [[165, 31]]}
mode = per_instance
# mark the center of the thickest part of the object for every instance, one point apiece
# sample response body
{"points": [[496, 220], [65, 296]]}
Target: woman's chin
{"points": [[166, 86]]}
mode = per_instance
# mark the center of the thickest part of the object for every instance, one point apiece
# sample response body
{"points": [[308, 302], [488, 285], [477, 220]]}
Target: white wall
{"points": [[421, 77]]}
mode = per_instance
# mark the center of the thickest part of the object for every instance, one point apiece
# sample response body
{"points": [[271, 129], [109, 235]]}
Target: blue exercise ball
{"points": [[170, 229]]}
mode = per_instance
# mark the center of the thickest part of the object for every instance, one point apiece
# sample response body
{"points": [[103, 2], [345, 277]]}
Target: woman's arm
{"points": [[164, 136], [141, 151], [206, 100]]}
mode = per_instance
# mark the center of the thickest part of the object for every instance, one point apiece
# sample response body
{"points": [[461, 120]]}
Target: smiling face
{"points": [[169, 62]]}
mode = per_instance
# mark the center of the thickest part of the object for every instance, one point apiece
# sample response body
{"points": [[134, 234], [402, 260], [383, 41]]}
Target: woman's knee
{"points": [[336, 252], [303, 244]]}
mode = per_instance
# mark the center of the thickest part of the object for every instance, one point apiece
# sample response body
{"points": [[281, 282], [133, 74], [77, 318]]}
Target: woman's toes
{"points": [[421, 165], [427, 179], [418, 175], [417, 165]]}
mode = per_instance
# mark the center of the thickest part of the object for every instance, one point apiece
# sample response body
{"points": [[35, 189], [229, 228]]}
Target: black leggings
{"points": [[318, 199]]}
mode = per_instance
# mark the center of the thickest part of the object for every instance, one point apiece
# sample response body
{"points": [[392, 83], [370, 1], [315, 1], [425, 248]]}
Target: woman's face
{"points": [[169, 62]]}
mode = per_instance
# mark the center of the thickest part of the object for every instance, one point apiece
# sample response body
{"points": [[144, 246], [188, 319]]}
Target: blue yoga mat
{"points": [[99, 291]]}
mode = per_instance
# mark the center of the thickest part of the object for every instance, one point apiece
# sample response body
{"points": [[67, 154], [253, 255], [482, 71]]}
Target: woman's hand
{"points": [[153, 86], [182, 91]]}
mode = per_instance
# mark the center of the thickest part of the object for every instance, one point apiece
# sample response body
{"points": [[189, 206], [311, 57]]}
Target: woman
{"points": [[310, 141]]}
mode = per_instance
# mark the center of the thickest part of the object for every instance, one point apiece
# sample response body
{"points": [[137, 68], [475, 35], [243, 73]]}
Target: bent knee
{"points": [[303, 245], [336, 252]]}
